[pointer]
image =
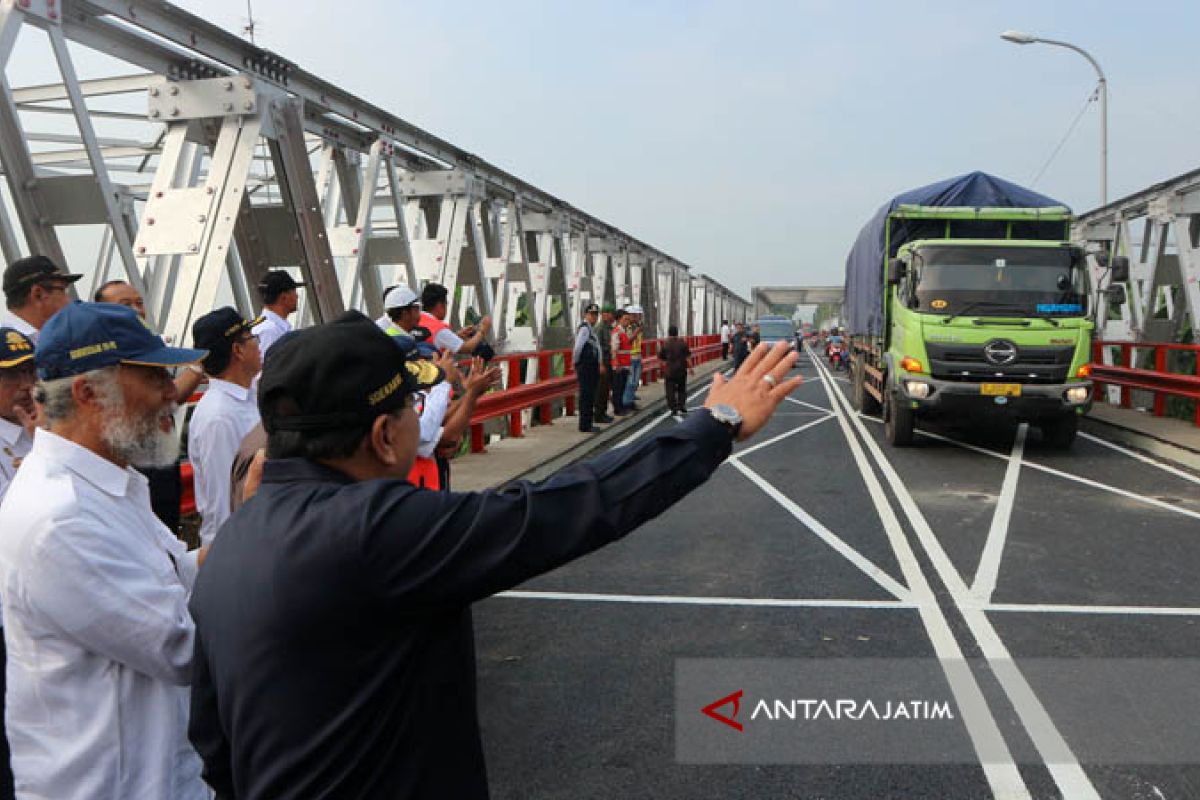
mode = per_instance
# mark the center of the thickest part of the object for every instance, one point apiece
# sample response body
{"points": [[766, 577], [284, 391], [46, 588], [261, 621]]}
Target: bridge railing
{"points": [[1114, 365], [535, 382]]}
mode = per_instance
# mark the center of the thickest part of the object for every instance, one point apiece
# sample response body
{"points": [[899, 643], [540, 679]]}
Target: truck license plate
{"points": [[1000, 389]]}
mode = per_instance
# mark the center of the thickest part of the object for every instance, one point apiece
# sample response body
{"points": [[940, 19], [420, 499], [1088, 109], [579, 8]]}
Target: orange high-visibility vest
{"points": [[425, 474]]}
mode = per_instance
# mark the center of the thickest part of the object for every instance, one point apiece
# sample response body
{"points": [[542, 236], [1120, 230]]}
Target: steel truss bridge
{"points": [[206, 160]]}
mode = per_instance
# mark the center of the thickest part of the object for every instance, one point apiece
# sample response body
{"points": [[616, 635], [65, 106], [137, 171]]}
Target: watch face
{"points": [[726, 414]]}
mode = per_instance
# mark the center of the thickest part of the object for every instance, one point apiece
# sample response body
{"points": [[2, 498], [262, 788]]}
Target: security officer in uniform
{"points": [[586, 356], [334, 648]]}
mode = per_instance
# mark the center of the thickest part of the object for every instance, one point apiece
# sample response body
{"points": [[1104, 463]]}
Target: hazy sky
{"points": [[751, 140]]}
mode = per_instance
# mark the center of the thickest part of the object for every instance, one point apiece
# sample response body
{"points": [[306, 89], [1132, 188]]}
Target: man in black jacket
{"points": [[334, 649]]}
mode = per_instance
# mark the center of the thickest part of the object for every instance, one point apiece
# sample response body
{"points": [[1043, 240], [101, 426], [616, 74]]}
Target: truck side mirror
{"points": [[1116, 295], [897, 269], [1120, 269]]}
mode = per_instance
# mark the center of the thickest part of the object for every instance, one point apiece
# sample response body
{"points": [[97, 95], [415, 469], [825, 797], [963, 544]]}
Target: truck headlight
{"points": [[1078, 394], [918, 390]]}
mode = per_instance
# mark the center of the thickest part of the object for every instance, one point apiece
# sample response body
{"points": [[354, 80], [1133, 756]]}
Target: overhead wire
{"points": [[1092, 97]]}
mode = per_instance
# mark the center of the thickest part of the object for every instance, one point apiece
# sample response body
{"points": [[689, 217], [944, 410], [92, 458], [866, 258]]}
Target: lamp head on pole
{"points": [[1018, 37]]}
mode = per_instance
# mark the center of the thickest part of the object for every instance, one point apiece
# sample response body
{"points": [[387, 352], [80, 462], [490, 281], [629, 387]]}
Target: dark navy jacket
{"points": [[334, 650]]}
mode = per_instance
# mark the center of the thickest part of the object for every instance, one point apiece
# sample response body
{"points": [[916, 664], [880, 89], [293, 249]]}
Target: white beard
{"points": [[141, 442]]}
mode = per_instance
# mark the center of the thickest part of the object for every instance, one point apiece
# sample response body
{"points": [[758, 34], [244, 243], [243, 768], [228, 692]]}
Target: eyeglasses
{"points": [[15, 375]]}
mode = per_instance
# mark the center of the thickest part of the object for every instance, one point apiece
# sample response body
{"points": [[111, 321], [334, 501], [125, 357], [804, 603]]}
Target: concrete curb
{"points": [[1152, 445], [612, 434]]}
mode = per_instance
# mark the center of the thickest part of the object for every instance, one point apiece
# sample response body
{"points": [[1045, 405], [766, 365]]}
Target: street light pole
{"points": [[1017, 37]]}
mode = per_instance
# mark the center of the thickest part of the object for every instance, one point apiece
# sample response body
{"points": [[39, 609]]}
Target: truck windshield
{"points": [[1000, 281]]}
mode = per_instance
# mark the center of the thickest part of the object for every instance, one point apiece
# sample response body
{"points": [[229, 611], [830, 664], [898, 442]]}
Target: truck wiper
{"points": [[981, 304]]}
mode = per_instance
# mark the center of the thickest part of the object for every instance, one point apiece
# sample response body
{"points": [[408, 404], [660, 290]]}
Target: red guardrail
{"points": [[529, 384], [545, 388], [1158, 380]]}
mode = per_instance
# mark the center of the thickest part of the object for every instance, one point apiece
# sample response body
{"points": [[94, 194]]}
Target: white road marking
{"points": [[995, 758], [813, 406], [1133, 611], [889, 584], [1060, 761], [679, 600], [1144, 459], [993, 551], [1141, 498], [633, 437], [775, 439]]}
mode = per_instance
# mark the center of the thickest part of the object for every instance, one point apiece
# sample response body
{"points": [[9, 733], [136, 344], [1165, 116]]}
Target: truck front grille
{"points": [[966, 362]]}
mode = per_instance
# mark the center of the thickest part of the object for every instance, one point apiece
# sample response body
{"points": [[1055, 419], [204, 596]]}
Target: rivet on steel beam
{"points": [[248, 105], [155, 114], [175, 112], [228, 86], [209, 190], [200, 218], [141, 250], [193, 248], [150, 220], [354, 252]]}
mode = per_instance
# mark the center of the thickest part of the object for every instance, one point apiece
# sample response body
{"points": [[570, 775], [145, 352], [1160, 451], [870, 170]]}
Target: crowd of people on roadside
{"points": [[316, 641], [608, 354]]}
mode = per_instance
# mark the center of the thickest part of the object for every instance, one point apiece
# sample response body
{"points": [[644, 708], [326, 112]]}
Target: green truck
{"points": [[965, 300]]}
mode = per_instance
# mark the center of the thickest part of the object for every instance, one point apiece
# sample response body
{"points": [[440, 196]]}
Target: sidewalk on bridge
{"points": [[1172, 439], [544, 449]]}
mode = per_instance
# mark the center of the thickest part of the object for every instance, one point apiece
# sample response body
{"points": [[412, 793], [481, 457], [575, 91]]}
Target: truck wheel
{"points": [[898, 421], [863, 400], [1060, 433]]}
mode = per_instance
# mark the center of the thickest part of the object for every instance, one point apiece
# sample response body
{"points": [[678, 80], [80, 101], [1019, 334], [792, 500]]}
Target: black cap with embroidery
{"points": [[34, 270], [15, 348], [334, 376]]}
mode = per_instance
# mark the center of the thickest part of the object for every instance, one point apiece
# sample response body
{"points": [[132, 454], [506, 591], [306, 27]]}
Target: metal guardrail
{"points": [[530, 384], [1159, 381]]}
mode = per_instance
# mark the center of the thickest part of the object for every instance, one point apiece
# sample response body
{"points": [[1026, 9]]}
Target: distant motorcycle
{"points": [[837, 357]]}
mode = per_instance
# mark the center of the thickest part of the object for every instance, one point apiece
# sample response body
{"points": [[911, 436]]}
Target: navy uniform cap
{"points": [[87, 336], [335, 376], [15, 348]]}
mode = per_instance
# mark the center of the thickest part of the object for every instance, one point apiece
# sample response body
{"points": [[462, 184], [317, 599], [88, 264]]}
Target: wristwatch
{"points": [[727, 416]]}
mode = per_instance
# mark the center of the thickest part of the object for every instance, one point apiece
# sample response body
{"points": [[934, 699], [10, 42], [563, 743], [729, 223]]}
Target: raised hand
{"points": [[758, 388]]}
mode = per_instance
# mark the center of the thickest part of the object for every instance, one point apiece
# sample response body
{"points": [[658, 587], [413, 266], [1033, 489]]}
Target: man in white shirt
{"points": [[280, 300], [34, 291], [94, 587], [226, 412], [726, 337], [17, 377]]}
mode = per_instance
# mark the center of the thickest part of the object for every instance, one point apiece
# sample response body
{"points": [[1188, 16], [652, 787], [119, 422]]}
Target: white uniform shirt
{"points": [[437, 403], [223, 417], [10, 320], [14, 446], [95, 592], [725, 333], [270, 330]]}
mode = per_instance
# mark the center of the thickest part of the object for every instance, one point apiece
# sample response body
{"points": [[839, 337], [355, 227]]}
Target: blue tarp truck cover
{"points": [[865, 264]]}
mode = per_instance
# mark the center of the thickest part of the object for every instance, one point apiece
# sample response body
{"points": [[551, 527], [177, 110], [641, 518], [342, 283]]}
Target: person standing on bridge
{"points": [[435, 300], [726, 335], [95, 588], [35, 289], [674, 355], [17, 423], [586, 355], [629, 401], [622, 345], [334, 644], [604, 383], [741, 345], [226, 412], [166, 483], [280, 300]]}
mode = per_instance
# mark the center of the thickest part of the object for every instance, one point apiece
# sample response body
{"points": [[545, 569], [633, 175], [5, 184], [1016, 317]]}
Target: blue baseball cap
{"points": [[87, 336]]}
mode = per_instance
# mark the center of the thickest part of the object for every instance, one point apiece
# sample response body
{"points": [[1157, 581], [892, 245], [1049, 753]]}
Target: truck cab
{"points": [[986, 328]]}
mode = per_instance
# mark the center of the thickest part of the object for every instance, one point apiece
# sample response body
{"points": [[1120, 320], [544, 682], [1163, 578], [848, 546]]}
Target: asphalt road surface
{"points": [[816, 540]]}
